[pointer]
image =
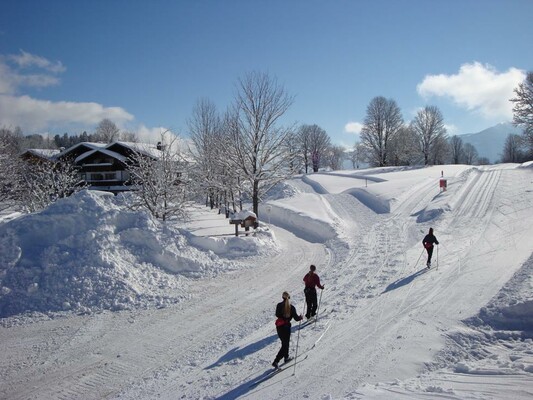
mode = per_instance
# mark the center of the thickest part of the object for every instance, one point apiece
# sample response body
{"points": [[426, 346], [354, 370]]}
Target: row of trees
{"points": [[387, 140], [245, 151], [106, 132]]}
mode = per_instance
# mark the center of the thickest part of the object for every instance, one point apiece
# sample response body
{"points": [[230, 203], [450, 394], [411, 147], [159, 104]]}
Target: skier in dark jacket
{"points": [[312, 280], [285, 311], [428, 242]]}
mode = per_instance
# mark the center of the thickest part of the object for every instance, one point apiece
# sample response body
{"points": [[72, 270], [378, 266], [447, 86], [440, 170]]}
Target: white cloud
{"points": [[25, 69], [476, 87], [451, 129], [41, 115], [353, 127], [27, 60], [150, 135], [33, 115]]}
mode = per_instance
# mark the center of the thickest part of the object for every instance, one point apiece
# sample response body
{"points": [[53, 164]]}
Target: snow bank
{"points": [[312, 222], [89, 252], [512, 308], [259, 242]]}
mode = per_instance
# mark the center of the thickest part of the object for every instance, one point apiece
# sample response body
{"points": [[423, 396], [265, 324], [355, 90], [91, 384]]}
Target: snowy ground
{"points": [[101, 302]]}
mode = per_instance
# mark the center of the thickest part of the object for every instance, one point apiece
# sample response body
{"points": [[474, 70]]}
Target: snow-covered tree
{"points": [[161, 179], [8, 167], [383, 121], [428, 126], [523, 108], [41, 183], [257, 141]]}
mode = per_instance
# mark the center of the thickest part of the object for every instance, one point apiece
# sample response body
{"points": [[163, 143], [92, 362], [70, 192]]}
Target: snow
{"points": [[98, 301]]}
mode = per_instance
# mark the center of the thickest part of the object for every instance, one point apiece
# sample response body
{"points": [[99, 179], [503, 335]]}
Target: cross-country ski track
{"points": [[386, 334]]}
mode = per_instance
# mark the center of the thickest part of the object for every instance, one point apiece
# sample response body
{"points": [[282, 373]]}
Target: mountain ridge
{"points": [[489, 142]]}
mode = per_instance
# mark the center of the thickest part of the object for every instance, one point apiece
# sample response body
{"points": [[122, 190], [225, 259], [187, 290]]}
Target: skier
{"points": [[312, 280], [428, 242], [285, 312]]}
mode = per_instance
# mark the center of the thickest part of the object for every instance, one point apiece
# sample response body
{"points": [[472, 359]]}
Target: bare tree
{"points": [[334, 156], [456, 149], [440, 151], [293, 147], [107, 131], [128, 137], [470, 154], [523, 108], [383, 121], [314, 142], [357, 155], [319, 143], [304, 145], [257, 141], [211, 172], [161, 179], [429, 128], [404, 148], [512, 150]]}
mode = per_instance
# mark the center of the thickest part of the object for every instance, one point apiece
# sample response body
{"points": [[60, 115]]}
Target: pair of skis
{"points": [[311, 320], [303, 356], [276, 371]]}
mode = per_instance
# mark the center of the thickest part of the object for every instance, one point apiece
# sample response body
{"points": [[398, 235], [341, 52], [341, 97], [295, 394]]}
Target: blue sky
{"points": [[65, 65]]}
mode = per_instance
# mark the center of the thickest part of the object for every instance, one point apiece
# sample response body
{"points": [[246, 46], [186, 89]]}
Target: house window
{"points": [[103, 176]]}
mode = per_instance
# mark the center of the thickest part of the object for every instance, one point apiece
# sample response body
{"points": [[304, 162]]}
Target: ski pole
{"points": [[297, 342], [318, 307], [437, 257], [420, 256]]}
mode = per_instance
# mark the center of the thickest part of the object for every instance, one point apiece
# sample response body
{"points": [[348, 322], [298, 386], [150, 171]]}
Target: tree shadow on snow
{"points": [[244, 351], [404, 281]]}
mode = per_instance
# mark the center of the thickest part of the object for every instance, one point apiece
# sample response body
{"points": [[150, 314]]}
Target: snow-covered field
{"points": [[97, 301]]}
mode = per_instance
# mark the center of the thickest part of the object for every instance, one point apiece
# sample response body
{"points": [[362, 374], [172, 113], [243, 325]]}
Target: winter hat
{"points": [[431, 231], [312, 268]]}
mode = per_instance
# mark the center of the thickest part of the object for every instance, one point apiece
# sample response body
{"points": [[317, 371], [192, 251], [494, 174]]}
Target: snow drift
{"points": [[90, 252]]}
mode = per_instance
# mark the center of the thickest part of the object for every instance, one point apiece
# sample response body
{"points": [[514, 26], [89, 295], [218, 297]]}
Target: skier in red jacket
{"points": [[312, 280], [428, 242]]}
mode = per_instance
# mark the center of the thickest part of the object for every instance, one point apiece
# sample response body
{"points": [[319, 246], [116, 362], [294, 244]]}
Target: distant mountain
{"points": [[489, 142]]}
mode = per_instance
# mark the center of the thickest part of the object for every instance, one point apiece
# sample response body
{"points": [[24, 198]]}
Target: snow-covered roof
{"points": [[150, 150], [244, 214], [91, 145], [107, 152], [43, 153]]}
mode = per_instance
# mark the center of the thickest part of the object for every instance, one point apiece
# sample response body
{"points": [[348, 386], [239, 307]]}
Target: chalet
{"points": [[106, 167], [102, 166]]}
